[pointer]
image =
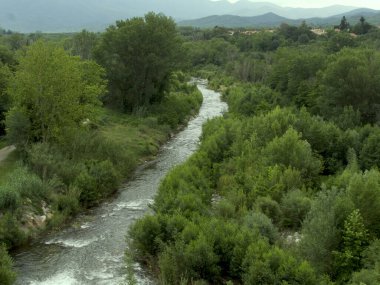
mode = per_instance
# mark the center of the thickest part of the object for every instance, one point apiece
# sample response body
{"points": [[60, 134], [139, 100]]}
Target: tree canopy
{"points": [[139, 55], [52, 92]]}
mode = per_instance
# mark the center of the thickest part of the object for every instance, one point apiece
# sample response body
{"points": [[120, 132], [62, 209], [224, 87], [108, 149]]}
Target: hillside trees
{"points": [[344, 24], [139, 55], [52, 93], [352, 78], [362, 27]]}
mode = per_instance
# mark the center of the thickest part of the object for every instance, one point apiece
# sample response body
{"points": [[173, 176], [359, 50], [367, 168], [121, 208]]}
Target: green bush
{"points": [[366, 276], [145, 235], [370, 153], [294, 206], [291, 151], [270, 208], [7, 276], [321, 231], [177, 106], [68, 203], [9, 198], [28, 184], [200, 260], [97, 181], [249, 100], [265, 265], [43, 159], [363, 190], [10, 233], [260, 223]]}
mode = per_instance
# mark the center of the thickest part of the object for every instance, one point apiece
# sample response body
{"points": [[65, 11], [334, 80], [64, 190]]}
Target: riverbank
{"points": [[91, 250], [59, 181]]}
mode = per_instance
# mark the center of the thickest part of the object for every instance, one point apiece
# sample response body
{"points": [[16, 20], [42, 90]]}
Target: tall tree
{"points": [[52, 93], [362, 27], [83, 44], [139, 55], [344, 25]]}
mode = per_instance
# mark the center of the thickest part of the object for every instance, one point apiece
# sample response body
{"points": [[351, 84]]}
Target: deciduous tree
{"points": [[52, 93], [139, 55]]}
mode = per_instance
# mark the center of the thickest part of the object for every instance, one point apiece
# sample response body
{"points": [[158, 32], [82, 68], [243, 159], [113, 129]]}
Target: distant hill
{"points": [[231, 21], [274, 20], [74, 15]]}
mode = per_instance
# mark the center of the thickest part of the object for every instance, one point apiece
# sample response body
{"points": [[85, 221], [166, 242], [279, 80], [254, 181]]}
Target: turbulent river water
{"points": [[91, 251]]}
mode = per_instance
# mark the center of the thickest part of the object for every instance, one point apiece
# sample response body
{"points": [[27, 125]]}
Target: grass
{"points": [[3, 143], [8, 165], [141, 137]]}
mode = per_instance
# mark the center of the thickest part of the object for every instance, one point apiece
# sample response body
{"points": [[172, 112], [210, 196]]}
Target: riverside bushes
{"points": [[7, 276], [252, 206], [88, 164]]}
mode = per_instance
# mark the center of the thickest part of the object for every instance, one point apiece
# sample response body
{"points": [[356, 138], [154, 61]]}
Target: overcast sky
{"points": [[374, 4]]}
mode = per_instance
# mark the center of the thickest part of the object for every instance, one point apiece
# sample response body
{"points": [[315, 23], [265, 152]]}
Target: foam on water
{"points": [[62, 278], [99, 275], [72, 242], [85, 226], [133, 205]]}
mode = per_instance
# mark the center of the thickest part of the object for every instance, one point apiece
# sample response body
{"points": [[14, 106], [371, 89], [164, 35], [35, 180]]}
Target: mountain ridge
{"points": [[273, 20], [96, 15]]}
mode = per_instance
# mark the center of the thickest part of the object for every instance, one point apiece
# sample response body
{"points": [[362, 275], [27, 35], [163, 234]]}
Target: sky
{"points": [[374, 4]]}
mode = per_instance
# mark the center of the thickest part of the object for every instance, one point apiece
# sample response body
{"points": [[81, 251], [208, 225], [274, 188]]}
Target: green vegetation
{"points": [[139, 55], [73, 147], [285, 187], [7, 277]]}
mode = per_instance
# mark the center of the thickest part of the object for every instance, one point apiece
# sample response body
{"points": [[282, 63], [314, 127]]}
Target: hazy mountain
{"points": [[232, 21], [73, 15], [274, 20]]}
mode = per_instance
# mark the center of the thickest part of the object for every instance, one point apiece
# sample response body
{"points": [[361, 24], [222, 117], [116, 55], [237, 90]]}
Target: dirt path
{"points": [[4, 152]]}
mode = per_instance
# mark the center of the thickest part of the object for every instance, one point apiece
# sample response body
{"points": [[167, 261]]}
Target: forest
{"points": [[285, 187]]}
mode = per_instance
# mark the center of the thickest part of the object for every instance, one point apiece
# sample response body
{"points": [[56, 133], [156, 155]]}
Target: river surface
{"points": [[91, 251]]}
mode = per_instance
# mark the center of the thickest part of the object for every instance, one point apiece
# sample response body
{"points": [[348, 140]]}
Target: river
{"points": [[91, 251]]}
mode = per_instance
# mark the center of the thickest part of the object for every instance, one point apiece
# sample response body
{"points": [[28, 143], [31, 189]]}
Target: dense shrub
{"points": [[294, 205], [10, 233], [265, 265], [370, 153], [7, 276], [97, 181]]}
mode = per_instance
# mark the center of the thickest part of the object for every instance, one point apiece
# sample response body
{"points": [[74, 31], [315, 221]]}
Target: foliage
{"points": [[82, 44], [139, 56], [7, 276], [52, 94], [361, 28], [294, 207], [265, 265], [5, 75], [355, 239], [350, 79]]}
